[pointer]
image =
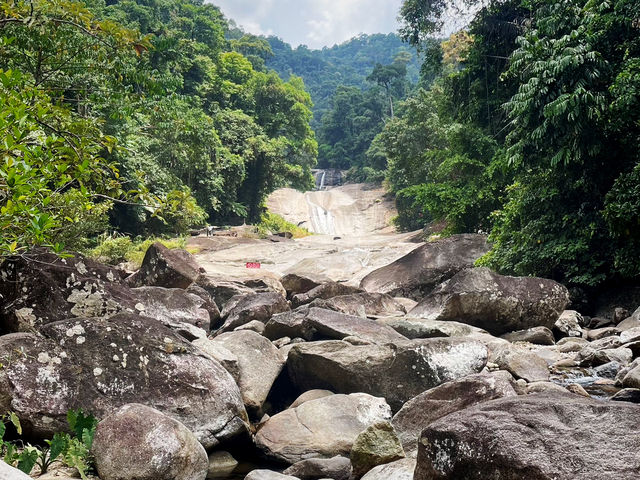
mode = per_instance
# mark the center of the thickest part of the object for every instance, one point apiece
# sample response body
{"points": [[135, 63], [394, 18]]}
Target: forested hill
{"points": [[346, 64]]}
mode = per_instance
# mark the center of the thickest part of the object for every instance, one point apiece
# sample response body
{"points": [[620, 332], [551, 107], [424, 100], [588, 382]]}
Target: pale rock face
{"points": [[140, 443], [320, 428], [398, 470], [7, 472]]}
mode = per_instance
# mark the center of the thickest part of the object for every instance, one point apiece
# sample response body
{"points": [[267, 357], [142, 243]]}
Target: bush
{"points": [[271, 222], [115, 250], [365, 175]]}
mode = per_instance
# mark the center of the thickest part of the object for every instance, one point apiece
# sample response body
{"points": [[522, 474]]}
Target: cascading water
{"points": [[324, 173]]}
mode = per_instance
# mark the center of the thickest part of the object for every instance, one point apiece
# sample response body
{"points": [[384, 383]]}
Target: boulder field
{"points": [[431, 369]]}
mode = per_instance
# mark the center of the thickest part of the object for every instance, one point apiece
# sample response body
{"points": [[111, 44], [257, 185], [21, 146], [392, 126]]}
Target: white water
{"points": [[322, 221], [324, 173]]}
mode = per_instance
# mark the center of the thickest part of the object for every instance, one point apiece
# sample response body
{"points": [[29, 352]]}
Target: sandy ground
{"points": [[355, 238]]}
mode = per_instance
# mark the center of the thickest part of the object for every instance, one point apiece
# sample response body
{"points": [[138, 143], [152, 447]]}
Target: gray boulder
{"points": [[569, 324], [397, 372], [398, 470], [102, 364], [320, 428], [268, 475], [417, 273], [521, 363], [318, 323], [243, 309], [536, 335], [496, 303], [362, 305], [164, 448], [419, 412], [162, 267], [412, 327], [259, 364], [310, 395], [324, 291], [295, 284], [518, 437], [336, 468]]}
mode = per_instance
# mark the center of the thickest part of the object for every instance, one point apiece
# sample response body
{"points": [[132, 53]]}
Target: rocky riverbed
{"points": [[418, 367]]}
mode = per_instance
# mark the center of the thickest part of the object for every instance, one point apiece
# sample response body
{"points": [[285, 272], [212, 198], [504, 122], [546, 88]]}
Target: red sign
{"points": [[253, 265]]}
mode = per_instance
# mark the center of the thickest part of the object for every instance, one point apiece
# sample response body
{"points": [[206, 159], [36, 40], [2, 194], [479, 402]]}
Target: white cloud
{"points": [[316, 23]]}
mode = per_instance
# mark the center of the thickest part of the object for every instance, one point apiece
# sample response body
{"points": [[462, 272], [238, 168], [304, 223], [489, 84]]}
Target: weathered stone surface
{"points": [[243, 309], [398, 470], [7, 472], [569, 324], [396, 372], [318, 323], [221, 464], [449, 397], [324, 292], [537, 437], [221, 354], [412, 328], [164, 448], [362, 305], [632, 379], [254, 326], [320, 428], [101, 364], [496, 303], [631, 395], [222, 290], [590, 357], [377, 445], [537, 335], [162, 267], [522, 363], [630, 335], [295, 284], [209, 303], [417, 273], [310, 395], [44, 288], [336, 468], [268, 475], [600, 333], [259, 364]]}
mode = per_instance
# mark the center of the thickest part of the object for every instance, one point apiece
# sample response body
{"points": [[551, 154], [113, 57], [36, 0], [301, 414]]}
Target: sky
{"points": [[315, 23]]}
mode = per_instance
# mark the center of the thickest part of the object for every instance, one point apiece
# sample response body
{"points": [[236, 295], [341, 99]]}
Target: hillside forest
{"points": [[152, 117]]}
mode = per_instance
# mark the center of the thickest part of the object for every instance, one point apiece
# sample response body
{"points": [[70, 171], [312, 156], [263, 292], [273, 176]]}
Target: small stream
{"points": [[596, 386]]}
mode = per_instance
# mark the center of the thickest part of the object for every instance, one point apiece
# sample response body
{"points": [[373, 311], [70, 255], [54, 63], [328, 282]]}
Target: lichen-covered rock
{"points": [[259, 364], [498, 304], [42, 288], [162, 267], [447, 398], [243, 309], [569, 324], [535, 437], [102, 364], [318, 323], [521, 363], [417, 273], [377, 445], [140, 443], [335, 468], [397, 372], [320, 428]]}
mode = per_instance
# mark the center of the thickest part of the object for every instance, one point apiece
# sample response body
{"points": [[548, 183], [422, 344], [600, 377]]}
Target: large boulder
{"points": [[43, 288], [496, 303], [162, 267], [397, 372], [319, 323], [102, 364], [398, 470], [411, 327], [164, 448], [324, 291], [362, 305], [295, 284], [418, 272], [336, 468], [447, 398], [521, 363], [259, 364], [243, 309], [263, 474], [320, 428], [377, 445], [543, 436]]}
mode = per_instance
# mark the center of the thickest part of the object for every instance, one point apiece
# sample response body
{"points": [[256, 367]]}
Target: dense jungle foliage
{"points": [[141, 116], [532, 136]]}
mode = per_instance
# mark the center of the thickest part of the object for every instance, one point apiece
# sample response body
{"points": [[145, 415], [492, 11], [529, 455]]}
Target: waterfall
{"points": [[324, 172]]}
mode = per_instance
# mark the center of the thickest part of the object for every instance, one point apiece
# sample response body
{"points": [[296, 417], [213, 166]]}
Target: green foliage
{"points": [[115, 250], [271, 222], [72, 449]]}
